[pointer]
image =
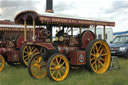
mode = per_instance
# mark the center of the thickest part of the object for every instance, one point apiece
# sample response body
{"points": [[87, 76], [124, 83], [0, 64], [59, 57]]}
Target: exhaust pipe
{"points": [[49, 6]]}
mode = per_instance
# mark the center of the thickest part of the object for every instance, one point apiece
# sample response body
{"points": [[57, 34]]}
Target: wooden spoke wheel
{"points": [[57, 67], [98, 56], [37, 67], [2, 63], [26, 52]]}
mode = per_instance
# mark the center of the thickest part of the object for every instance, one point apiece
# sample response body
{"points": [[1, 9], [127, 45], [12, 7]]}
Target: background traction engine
{"points": [[29, 47], [68, 50], [11, 42]]}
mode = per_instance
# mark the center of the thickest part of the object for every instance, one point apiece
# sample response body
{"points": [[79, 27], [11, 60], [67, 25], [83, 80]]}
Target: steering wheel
{"points": [[44, 33]]}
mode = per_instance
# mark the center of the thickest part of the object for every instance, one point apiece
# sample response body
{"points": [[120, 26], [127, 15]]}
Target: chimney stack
{"points": [[49, 6]]}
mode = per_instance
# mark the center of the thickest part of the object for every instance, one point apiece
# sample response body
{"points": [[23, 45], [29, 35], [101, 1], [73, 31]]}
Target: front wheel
{"points": [[2, 63], [98, 56], [37, 67], [57, 67], [26, 52]]}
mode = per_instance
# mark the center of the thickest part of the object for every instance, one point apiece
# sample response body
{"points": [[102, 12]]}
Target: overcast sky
{"points": [[113, 10]]}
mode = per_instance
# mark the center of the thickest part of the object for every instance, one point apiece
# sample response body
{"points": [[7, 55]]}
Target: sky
{"points": [[112, 10]]}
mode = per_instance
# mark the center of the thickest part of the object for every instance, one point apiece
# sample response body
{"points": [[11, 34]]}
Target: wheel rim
{"points": [[100, 57], [2, 63], [59, 68], [38, 67], [28, 51]]}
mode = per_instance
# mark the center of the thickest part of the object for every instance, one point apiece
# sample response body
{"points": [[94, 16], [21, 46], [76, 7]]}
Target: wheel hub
{"points": [[58, 67], [98, 56], [30, 53]]}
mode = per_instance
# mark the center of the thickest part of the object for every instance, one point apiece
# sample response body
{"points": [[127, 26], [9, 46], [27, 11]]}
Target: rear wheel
{"points": [[37, 67], [26, 52], [2, 63], [57, 67], [98, 56]]}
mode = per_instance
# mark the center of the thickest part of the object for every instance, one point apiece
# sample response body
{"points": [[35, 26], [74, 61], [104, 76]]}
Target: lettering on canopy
{"points": [[74, 21]]}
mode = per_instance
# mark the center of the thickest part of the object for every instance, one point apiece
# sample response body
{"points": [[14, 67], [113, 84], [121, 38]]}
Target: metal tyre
{"points": [[26, 52], [57, 67], [37, 67], [2, 63], [98, 56]]}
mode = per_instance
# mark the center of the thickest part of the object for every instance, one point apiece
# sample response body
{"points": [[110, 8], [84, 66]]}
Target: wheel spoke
{"points": [[101, 51], [26, 52], [93, 54], [93, 58], [62, 70], [93, 63], [53, 72], [57, 61], [27, 58], [62, 64], [96, 48], [52, 68], [105, 54], [99, 47], [59, 74], [102, 59], [30, 49], [96, 66], [36, 53], [53, 63], [94, 51], [34, 50], [101, 63]]}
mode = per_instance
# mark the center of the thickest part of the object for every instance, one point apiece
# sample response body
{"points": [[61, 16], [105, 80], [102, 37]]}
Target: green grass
{"points": [[19, 76]]}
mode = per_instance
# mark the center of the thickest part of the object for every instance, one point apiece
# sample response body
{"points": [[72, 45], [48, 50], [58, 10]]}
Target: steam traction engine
{"points": [[55, 57], [11, 40]]}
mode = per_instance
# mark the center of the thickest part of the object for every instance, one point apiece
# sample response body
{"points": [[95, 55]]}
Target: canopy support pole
{"points": [[95, 30], [80, 30], [25, 30], [34, 28], [104, 33], [71, 31]]}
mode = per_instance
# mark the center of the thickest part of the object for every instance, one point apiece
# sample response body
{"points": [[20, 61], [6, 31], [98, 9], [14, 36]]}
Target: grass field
{"points": [[19, 76]]}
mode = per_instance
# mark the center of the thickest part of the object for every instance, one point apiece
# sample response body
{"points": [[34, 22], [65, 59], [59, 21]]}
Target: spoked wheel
{"points": [[2, 63], [37, 67], [98, 56], [25, 53], [57, 67]]}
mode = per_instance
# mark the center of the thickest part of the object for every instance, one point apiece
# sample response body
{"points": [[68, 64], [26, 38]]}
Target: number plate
{"points": [[113, 51]]}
